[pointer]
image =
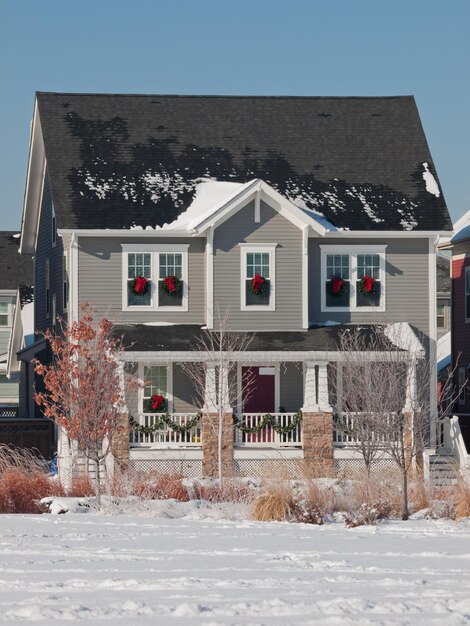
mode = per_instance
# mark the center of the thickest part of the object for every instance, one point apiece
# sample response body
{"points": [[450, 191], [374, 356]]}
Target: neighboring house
{"points": [[16, 270], [443, 282], [304, 192]]}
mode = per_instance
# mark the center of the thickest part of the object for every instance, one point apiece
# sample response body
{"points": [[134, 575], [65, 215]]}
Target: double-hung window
{"points": [[353, 278], [258, 284], [4, 314], [441, 315], [155, 378], [155, 277]]}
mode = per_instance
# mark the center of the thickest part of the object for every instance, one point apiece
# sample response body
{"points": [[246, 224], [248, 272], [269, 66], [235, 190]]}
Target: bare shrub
{"points": [[156, 486], [276, 503], [419, 496], [308, 511], [369, 513], [229, 491], [370, 494], [461, 498]]}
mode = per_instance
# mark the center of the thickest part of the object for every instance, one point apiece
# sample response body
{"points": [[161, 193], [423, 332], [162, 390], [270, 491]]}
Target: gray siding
{"points": [[407, 283], [273, 228], [4, 339], [185, 398], [291, 387], [100, 280], [44, 250], [9, 389]]}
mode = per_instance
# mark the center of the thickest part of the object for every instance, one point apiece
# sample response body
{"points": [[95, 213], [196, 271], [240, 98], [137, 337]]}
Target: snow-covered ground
{"points": [[165, 570]]}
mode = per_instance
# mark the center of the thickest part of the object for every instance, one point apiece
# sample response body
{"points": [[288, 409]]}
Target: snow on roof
{"points": [[443, 351], [402, 335], [462, 228], [431, 183]]}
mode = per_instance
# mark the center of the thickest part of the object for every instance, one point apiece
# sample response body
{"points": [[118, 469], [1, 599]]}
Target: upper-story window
{"points": [[258, 277], [5, 314], [467, 294], [353, 278], [155, 277], [441, 315], [48, 288], [65, 282], [54, 228]]}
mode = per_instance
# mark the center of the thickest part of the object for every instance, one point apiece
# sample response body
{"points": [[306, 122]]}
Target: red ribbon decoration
{"points": [[140, 284], [170, 284], [368, 284], [257, 283], [157, 401], [336, 284]]}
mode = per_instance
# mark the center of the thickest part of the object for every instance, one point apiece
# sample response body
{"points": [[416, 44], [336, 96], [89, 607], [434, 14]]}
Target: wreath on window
{"points": [[337, 287], [259, 285], [157, 404], [171, 285], [139, 286], [368, 286]]}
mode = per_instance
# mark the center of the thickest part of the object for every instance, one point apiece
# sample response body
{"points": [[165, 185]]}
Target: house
{"points": [[443, 282], [161, 209]]}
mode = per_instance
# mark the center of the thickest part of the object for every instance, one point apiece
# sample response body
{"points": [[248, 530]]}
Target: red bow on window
{"points": [[170, 284], [140, 284], [157, 401], [368, 284], [336, 284], [257, 283]]}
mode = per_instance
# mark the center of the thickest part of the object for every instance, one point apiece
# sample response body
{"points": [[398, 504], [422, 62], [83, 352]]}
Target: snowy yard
{"points": [[157, 570]]}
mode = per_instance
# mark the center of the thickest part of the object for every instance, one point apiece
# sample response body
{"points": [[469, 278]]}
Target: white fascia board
{"points": [[34, 187], [123, 232], [381, 234], [154, 356], [14, 342]]}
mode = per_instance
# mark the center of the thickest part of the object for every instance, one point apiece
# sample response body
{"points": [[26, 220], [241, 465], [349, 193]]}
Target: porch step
{"points": [[443, 470]]}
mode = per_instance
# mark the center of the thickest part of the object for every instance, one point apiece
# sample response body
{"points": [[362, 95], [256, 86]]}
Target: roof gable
{"points": [[119, 161]]}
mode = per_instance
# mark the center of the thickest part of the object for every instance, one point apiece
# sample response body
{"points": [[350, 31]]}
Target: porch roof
{"points": [[183, 337]]}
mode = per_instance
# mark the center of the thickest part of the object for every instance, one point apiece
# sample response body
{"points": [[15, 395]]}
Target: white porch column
{"points": [[224, 389], [316, 398], [411, 388], [210, 399]]}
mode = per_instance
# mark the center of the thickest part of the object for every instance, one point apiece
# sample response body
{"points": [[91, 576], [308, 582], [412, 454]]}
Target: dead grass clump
{"points": [[418, 496], [461, 499], [371, 493], [451, 502], [229, 491], [275, 504], [308, 511], [23, 481], [82, 486], [156, 486]]}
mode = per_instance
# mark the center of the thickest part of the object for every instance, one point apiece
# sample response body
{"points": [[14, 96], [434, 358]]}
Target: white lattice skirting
{"points": [[188, 468], [355, 468]]}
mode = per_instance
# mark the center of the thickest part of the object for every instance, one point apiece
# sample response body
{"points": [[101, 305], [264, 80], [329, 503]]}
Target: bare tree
{"points": [[385, 398], [84, 386], [213, 374]]}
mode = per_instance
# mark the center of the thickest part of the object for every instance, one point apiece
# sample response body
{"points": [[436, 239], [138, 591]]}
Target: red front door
{"points": [[259, 395]]}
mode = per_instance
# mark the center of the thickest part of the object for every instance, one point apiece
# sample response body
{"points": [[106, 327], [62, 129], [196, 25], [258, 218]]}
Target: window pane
{"points": [[368, 265], [3, 313], [337, 265], [155, 379], [170, 265], [257, 263]]}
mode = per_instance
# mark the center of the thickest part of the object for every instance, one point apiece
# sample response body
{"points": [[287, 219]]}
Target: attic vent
{"points": [[324, 115], [375, 115]]}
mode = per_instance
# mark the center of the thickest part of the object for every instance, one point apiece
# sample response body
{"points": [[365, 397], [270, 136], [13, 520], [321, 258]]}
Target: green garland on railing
{"points": [[165, 420], [268, 418]]}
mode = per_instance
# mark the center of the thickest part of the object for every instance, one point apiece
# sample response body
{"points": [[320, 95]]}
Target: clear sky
{"points": [[257, 47]]}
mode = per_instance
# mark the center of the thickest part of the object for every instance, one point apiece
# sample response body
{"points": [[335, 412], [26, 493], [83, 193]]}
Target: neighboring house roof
{"points": [[16, 269], [444, 351], [462, 228], [183, 337], [123, 161], [443, 279]]}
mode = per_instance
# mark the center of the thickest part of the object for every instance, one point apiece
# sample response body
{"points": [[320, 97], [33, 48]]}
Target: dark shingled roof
{"points": [[443, 274], [120, 160], [180, 338], [15, 269]]}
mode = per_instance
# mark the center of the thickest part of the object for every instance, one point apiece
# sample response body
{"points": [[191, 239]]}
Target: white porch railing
{"points": [[166, 437], [268, 437], [345, 432]]}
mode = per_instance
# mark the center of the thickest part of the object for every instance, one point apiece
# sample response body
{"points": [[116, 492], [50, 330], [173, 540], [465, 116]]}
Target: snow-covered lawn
{"points": [[164, 570]]}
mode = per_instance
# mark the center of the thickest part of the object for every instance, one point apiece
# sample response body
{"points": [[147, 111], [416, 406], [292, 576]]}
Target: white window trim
{"points": [[169, 384], [467, 270], [10, 315], [154, 250], [353, 252], [263, 248]]}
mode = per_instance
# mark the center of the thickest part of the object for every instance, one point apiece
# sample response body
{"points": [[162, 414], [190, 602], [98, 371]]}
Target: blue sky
{"points": [[311, 47]]}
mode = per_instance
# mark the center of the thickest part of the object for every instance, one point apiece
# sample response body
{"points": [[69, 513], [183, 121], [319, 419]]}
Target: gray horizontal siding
{"points": [[273, 228], [8, 388], [100, 280], [4, 339], [185, 397], [407, 283]]}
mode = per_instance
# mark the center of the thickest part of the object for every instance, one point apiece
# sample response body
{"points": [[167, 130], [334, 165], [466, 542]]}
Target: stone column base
{"points": [[317, 442], [120, 447], [210, 430]]}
